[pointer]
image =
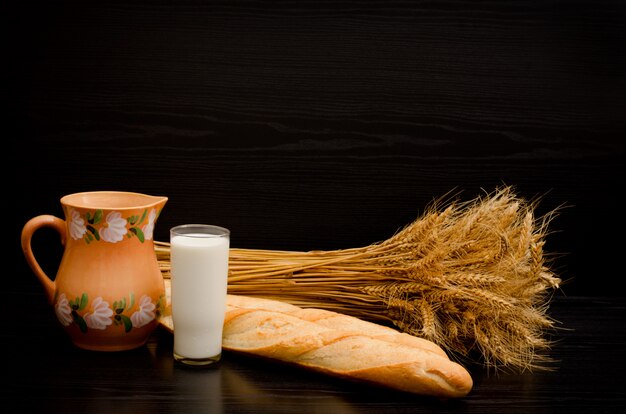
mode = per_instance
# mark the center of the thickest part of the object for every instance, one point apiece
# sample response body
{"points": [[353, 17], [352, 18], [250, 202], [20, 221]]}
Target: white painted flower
{"points": [[63, 310], [77, 225], [145, 314], [100, 317], [148, 229], [115, 229]]}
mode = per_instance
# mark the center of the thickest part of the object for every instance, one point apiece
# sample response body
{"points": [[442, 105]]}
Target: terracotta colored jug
{"points": [[108, 292]]}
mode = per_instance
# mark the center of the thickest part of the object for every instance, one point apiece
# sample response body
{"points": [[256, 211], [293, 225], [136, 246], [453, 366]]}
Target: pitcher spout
{"points": [[158, 201]]}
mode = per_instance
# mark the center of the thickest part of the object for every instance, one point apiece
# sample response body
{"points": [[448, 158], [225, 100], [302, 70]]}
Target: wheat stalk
{"points": [[469, 276]]}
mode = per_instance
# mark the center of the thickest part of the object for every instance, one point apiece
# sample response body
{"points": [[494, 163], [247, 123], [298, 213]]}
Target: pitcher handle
{"points": [[29, 229]]}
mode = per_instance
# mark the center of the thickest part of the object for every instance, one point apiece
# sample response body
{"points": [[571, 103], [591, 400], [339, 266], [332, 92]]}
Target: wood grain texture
{"points": [[46, 373], [319, 125]]}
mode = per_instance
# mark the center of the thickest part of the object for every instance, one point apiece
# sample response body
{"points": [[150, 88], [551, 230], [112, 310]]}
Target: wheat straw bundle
{"points": [[470, 276]]}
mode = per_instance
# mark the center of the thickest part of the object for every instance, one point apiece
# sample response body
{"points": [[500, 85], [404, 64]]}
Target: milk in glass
{"points": [[199, 267]]}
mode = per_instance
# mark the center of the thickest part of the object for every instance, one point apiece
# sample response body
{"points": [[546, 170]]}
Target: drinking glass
{"points": [[199, 269]]}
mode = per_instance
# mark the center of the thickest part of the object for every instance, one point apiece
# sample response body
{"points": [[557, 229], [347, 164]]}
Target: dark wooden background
{"points": [[306, 125]]}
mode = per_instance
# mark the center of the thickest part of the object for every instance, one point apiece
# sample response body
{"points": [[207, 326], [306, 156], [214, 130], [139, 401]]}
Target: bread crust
{"points": [[339, 345]]}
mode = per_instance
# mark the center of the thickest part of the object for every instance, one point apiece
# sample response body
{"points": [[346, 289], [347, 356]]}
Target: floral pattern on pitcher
{"points": [[100, 314], [113, 228]]}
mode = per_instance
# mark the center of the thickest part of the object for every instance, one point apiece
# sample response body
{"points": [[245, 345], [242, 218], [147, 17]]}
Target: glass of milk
{"points": [[199, 269]]}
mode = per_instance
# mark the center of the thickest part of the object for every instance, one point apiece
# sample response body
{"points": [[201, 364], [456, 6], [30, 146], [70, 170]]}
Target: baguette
{"points": [[339, 345]]}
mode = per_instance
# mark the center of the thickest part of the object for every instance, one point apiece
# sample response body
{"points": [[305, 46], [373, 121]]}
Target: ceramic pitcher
{"points": [[108, 292]]}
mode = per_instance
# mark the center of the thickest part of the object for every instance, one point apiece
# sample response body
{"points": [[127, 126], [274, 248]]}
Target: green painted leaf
{"points": [[80, 322], [94, 231], [160, 305], [143, 216], [131, 220], [132, 300], [137, 232], [128, 324], [97, 217], [83, 301]]}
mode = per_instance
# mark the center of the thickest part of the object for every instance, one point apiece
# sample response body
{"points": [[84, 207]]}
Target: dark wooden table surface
{"points": [[45, 373]]}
